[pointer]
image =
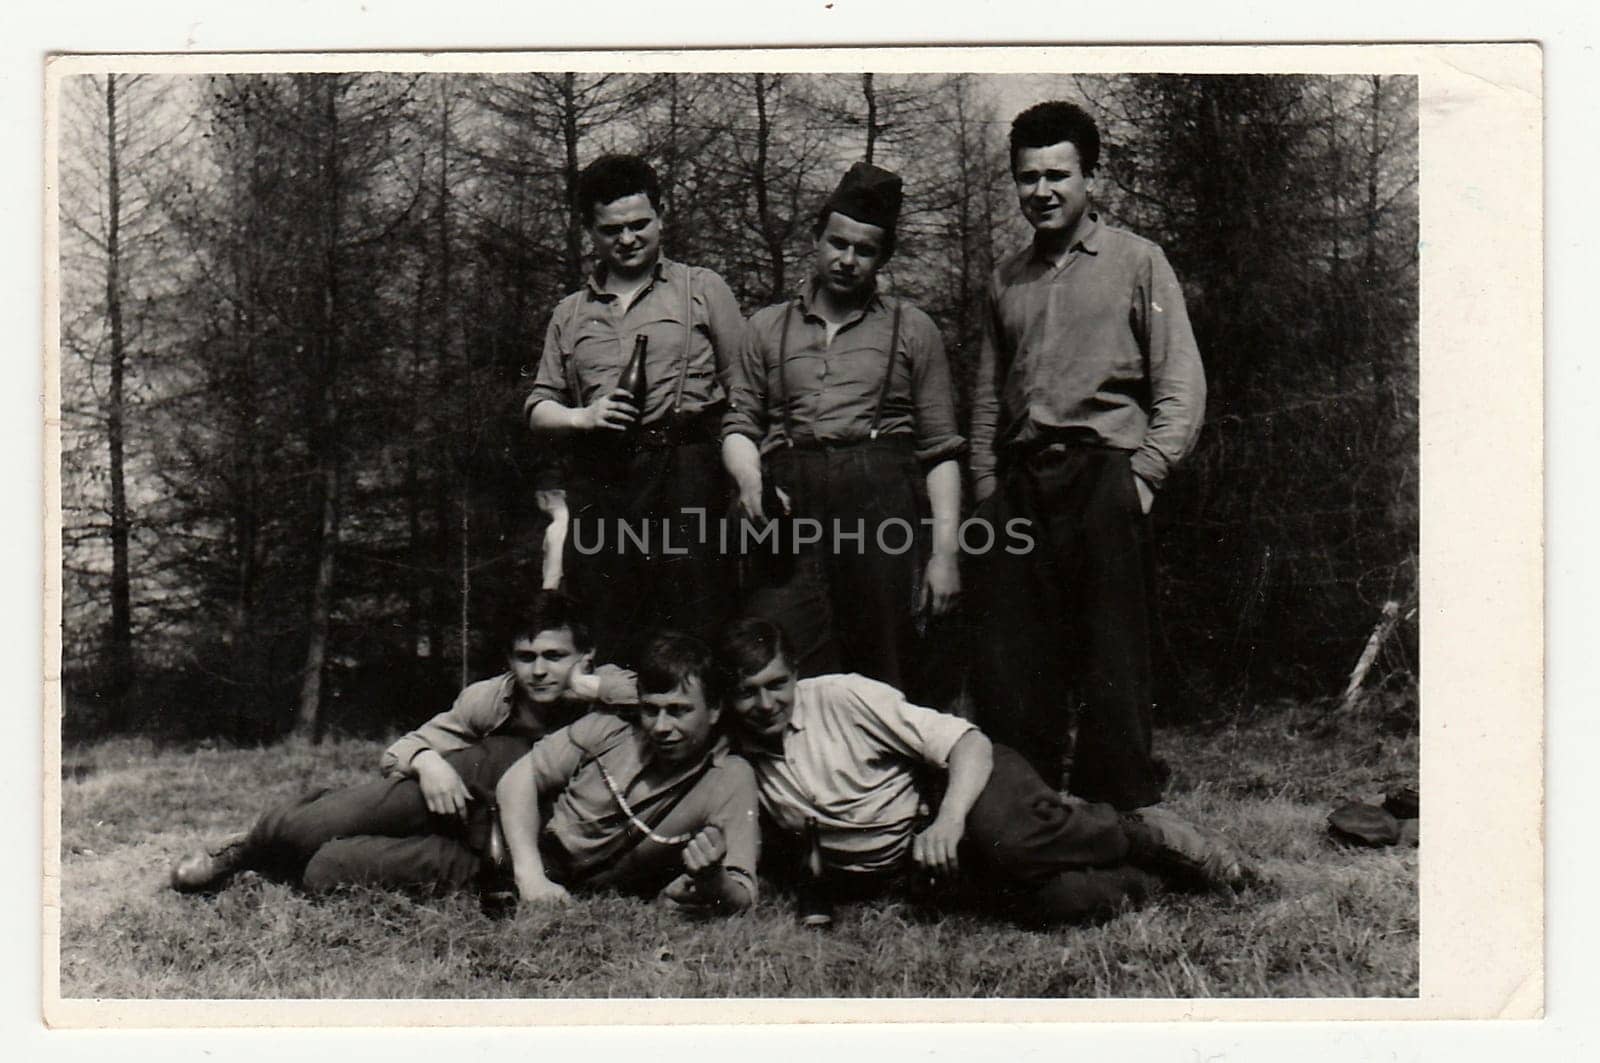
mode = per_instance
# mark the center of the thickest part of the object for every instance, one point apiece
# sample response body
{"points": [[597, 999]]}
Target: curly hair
{"points": [[1055, 122], [610, 178]]}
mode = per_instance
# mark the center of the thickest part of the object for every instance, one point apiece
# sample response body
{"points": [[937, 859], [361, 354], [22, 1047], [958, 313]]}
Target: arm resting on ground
{"points": [[518, 798]]}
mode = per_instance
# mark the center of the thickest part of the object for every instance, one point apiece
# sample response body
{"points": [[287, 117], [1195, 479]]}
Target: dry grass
{"points": [[1333, 922]]}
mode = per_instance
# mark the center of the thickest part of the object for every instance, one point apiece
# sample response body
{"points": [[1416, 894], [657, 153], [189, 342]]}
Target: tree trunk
{"points": [[308, 717], [121, 641], [872, 114], [771, 238], [569, 140]]}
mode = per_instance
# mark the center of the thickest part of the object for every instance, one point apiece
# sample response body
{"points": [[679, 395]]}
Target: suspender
{"points": [[688, 337], [888, 371], [883, 389], [783, 376]]}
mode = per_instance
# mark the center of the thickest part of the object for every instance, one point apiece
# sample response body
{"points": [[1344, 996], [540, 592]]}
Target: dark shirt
{"points": [[832, 388], [591, 335], [1100, 344]]}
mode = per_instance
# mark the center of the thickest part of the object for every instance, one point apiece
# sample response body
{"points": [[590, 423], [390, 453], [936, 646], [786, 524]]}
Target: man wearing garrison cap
{"points": [[842, 416]]}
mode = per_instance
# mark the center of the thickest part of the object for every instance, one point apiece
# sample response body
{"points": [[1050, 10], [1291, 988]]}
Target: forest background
{"points": [[298, 313]]}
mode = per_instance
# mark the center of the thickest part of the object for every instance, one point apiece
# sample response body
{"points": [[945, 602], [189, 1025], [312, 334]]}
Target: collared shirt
{"points": [[591, 826], [479, 710], [591, 334], [850, 751], [832, 387], [1101, 343]]}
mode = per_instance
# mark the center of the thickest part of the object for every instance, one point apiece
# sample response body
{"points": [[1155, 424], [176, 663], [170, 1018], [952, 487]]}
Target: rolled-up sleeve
{"points": [[986, 401], [747, 383], [471, 716], [932, 393], [550, 382], [910, 730], [1177, 377]]}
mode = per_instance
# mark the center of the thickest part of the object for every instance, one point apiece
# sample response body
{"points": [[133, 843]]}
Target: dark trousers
{"points": [[846, 604], [381, 832], [1074, 614], [1040, 859], [670, 572], [1028, 855]]}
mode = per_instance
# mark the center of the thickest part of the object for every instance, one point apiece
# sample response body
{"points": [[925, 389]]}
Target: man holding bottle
{"points": [[646, 483]]}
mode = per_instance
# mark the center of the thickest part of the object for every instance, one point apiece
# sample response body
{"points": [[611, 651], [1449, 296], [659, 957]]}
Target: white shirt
{"points": [[850, 751]]}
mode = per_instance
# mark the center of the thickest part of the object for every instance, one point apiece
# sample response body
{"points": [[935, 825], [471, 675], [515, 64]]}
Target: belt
{"points": [[890, 443], [702, 427]]}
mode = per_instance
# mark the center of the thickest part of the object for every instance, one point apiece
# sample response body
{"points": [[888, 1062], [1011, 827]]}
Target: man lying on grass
{"points": [[426, 822], [652, 804], [849, 763]]}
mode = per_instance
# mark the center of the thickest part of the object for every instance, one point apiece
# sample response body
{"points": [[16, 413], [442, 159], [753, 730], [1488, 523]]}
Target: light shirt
{"points": [[591, 334], [850, 754]]}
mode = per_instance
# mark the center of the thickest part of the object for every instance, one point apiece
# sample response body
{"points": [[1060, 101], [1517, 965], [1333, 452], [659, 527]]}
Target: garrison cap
{"points": [[869, 194]]}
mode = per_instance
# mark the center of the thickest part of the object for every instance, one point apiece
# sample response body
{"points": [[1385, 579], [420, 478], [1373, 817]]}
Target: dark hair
{"points": [[1056, 122], [610, 178], [749, 645], [545, 611], [887, 248], [671, 659]]}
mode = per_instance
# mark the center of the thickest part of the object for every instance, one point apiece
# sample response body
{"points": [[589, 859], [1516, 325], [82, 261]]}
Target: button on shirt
{"points": [[589, 823], [1101, 343], [832, 387], [849, 752], [591, 335]]}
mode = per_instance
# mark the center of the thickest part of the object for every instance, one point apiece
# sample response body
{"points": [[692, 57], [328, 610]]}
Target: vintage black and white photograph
{"points": [[667, 532]]}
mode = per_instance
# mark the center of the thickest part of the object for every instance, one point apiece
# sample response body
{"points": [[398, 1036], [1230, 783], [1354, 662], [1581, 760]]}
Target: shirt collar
{"points": [[595, 282], [795, 723], [1085, 235], [806, 299]]}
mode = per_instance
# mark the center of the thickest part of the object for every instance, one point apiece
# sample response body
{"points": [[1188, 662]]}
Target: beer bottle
{"points": [[633, 379], [816, 906], [497, 890]]}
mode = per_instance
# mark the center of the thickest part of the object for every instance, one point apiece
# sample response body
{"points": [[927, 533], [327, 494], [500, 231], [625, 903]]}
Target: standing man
{"points": [[1089, 392], [843, 403], [646, 483]]}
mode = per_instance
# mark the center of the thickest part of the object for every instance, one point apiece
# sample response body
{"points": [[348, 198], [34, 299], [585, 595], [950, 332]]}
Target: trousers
{"points": [[847, 600], [1072, 615], [381, 832], [643, 552], [1028, 855]]}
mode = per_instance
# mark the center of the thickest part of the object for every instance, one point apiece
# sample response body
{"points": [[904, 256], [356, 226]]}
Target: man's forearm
{"points": [[518, 798], [410, 768], [971, 761], [944, 499], [548, 415], [742, 458]]}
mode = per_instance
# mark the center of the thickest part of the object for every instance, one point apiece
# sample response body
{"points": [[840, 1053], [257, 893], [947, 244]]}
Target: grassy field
{"points": [[1331, 922]]}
